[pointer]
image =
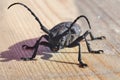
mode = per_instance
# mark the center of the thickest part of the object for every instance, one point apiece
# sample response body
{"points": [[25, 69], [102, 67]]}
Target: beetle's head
{"points": [[56, 43], [54, 48]]}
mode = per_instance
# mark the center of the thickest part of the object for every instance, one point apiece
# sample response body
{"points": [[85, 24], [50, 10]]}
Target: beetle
{"points": [[64, 34]]}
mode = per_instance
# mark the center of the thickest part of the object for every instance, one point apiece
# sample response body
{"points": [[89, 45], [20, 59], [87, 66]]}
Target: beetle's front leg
{"points": [[35, 47], [76, 43], [35, 50], [34, 53], [81, 64], [37, 42]]}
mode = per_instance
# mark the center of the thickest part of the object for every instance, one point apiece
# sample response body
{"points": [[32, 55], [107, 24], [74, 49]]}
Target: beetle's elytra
{"points": [[65, 34]]}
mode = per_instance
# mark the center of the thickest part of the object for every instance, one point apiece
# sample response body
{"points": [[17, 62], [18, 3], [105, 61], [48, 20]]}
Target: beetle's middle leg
{"points": [[88, 45]]}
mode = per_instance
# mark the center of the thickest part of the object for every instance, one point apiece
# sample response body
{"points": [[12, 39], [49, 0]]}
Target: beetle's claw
{"points": [[103, 37], [99, 38], [99, 51], [82, 65], [26, 47]]}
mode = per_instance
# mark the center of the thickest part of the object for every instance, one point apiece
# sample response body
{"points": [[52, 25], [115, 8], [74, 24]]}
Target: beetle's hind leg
{"points": [[95, 38]]}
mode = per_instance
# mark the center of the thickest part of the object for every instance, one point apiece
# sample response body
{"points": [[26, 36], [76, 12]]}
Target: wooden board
{"points": [[18, 27]]}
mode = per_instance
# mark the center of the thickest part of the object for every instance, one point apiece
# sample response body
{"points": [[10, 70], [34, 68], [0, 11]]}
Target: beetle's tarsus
{"points": [[27, 47], [99, 51], [103, 37], [82, 65], [99, 38]]}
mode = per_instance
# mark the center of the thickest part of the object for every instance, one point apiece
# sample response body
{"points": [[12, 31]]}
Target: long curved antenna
{"points": [[81, 16], [36, 18]]}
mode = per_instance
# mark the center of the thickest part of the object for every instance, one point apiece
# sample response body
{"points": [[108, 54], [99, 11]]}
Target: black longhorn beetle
{"points": [[65, 34]]}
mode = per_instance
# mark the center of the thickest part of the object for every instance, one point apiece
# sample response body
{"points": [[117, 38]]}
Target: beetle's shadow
{"points": [[15, 52]]}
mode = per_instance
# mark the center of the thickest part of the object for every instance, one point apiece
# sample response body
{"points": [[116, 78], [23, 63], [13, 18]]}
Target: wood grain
{"points": [[18, 27]]}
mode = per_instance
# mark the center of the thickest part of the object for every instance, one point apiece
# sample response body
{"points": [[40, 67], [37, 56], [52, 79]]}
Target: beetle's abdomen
{"points": [[67, 38]]}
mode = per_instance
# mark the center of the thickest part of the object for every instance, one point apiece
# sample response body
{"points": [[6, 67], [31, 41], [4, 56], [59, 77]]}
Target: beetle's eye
{"points": [[72, 31]]}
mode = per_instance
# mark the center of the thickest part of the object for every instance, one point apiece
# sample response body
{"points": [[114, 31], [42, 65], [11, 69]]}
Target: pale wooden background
{"points": [[18, 27]]}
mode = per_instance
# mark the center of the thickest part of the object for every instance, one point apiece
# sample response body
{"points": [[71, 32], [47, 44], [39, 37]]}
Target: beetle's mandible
{"points": [[65, 34]]}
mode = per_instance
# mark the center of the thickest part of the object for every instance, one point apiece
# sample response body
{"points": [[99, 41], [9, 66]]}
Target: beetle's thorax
{"points": [[60, 37]]}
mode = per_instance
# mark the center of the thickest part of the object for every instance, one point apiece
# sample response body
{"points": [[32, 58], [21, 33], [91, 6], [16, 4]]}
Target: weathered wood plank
{"points": [[18, 27]]}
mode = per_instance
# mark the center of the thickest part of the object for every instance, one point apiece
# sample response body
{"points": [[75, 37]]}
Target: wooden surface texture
{"points": [[18, 27]]}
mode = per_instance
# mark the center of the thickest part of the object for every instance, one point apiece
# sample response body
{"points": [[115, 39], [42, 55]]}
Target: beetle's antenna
{"points": [[82, 16], [67, 31], [36, 18]]}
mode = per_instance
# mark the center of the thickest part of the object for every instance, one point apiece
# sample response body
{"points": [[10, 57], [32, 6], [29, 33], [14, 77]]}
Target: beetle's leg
{"points": [[76, 43], [81, 64], [90, 50], [34, 46], [88, 45], [35, 51], [95, 38]]}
